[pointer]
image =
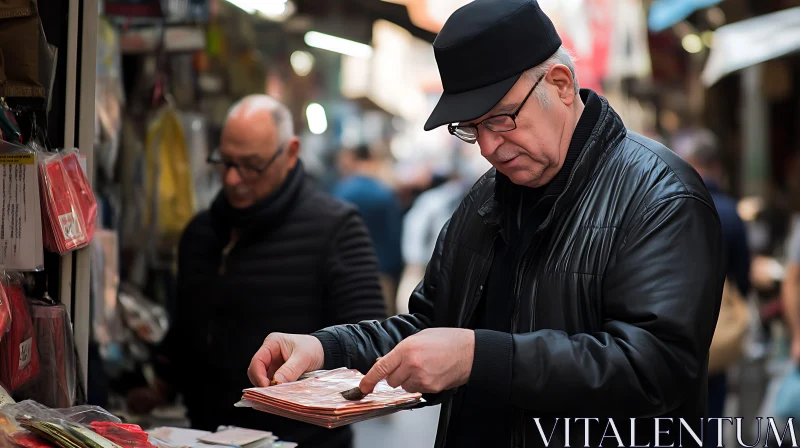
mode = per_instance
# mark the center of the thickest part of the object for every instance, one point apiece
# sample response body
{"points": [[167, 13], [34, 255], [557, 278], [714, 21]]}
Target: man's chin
{"points": [[238, 203], [524, 178]]}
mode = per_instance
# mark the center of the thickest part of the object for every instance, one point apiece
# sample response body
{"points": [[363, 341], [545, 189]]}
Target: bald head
{"points": [[258, 137], [257, 107]]}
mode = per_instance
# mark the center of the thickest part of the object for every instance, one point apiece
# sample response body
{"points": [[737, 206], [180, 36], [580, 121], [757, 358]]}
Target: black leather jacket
{"points": [[616, 300]]}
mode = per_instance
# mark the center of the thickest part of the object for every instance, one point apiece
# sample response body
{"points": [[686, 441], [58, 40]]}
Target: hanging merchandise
{"points": [[55, 385], [70, 209], [18, 349], [168, 178], [5, 313], [19, 45], [21, 246], [109, 98]]}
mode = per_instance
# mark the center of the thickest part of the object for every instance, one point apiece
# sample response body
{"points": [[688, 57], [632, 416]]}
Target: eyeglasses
{"points": [[495, 123], [247, 171]]}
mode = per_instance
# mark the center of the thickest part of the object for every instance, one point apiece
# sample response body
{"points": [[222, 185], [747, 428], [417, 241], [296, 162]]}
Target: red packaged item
{"points": [[85, 195], [55, 386], [27, 440], [5, 313], [124, 435], [18, 350], [64, 227]]}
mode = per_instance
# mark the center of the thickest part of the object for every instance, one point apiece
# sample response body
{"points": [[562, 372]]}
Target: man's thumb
{"points": [[289, 372]]}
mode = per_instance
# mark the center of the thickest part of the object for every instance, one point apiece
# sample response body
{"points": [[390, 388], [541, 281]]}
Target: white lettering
{"points": [[719, 428], [789, 426], [633, 436], [697, 439], [615, 436], [541, 431], [659, 432], [739, 433], [566, 431], [586, 429]]}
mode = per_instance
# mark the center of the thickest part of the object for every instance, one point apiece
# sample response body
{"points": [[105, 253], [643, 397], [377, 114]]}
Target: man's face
{"points": [[530, 155], [250, 141]]}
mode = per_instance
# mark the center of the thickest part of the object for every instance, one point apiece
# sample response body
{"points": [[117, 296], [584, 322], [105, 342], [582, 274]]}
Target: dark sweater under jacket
{"points": [[302, 260]]}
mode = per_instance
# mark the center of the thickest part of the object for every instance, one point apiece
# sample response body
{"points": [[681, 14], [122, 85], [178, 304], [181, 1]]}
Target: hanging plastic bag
{"points": [[64, 226], [85, 195], [18, 350], [55, 386]]}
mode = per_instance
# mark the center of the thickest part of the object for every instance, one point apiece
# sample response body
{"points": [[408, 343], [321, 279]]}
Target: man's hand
{"points": [[284, 357], [431, 361]]}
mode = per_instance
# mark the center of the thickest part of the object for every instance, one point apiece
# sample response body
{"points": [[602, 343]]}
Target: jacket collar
{"points": [[263, 215], [608, 131]]}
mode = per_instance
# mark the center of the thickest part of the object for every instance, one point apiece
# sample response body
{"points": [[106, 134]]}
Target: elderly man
{"points": [[579, 278], [272, 254]]}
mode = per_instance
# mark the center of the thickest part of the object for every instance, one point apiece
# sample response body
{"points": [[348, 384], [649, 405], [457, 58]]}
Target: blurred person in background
{"points": [[581, 277], [273, 253], [429, 213], [791, 289], [700, 148], [380, 209]]}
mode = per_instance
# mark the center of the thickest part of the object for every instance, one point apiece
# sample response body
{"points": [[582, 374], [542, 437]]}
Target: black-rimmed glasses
{"points": [[495, 123], [247, 171]]}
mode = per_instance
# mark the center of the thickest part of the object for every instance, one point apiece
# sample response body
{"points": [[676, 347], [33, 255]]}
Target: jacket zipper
{"points": [[223, 263], [226, 251], [518, 427]]}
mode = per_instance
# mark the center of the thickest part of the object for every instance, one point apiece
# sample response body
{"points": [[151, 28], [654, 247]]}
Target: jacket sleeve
{"points": [[358, 346], [661, 298], [351, 281]]}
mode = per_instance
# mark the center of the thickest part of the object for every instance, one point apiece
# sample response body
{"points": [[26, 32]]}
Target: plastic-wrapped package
{"points": [[66, 428], [84, 193], [124, 435], [88, 414], [55, 386], [65, 193], [18, 349]]}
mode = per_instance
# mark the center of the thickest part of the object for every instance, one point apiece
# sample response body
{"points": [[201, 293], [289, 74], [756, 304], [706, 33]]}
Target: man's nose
{"points": [[232, 177], [488, 141]]}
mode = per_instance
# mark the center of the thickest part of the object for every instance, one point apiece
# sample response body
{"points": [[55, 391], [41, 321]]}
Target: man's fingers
{"points": [[257, 372], [290, 370], [398, 377], [383, 368]]}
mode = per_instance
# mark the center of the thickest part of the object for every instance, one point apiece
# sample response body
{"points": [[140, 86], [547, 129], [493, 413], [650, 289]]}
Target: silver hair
{"points": [[280, 113], [561, 56]]}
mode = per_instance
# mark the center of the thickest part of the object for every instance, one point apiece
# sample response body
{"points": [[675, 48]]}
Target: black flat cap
{"points": [[482, 50]]}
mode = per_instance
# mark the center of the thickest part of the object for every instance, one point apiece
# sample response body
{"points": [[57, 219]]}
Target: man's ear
{"points": [[292, 151], [561, 77]]}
